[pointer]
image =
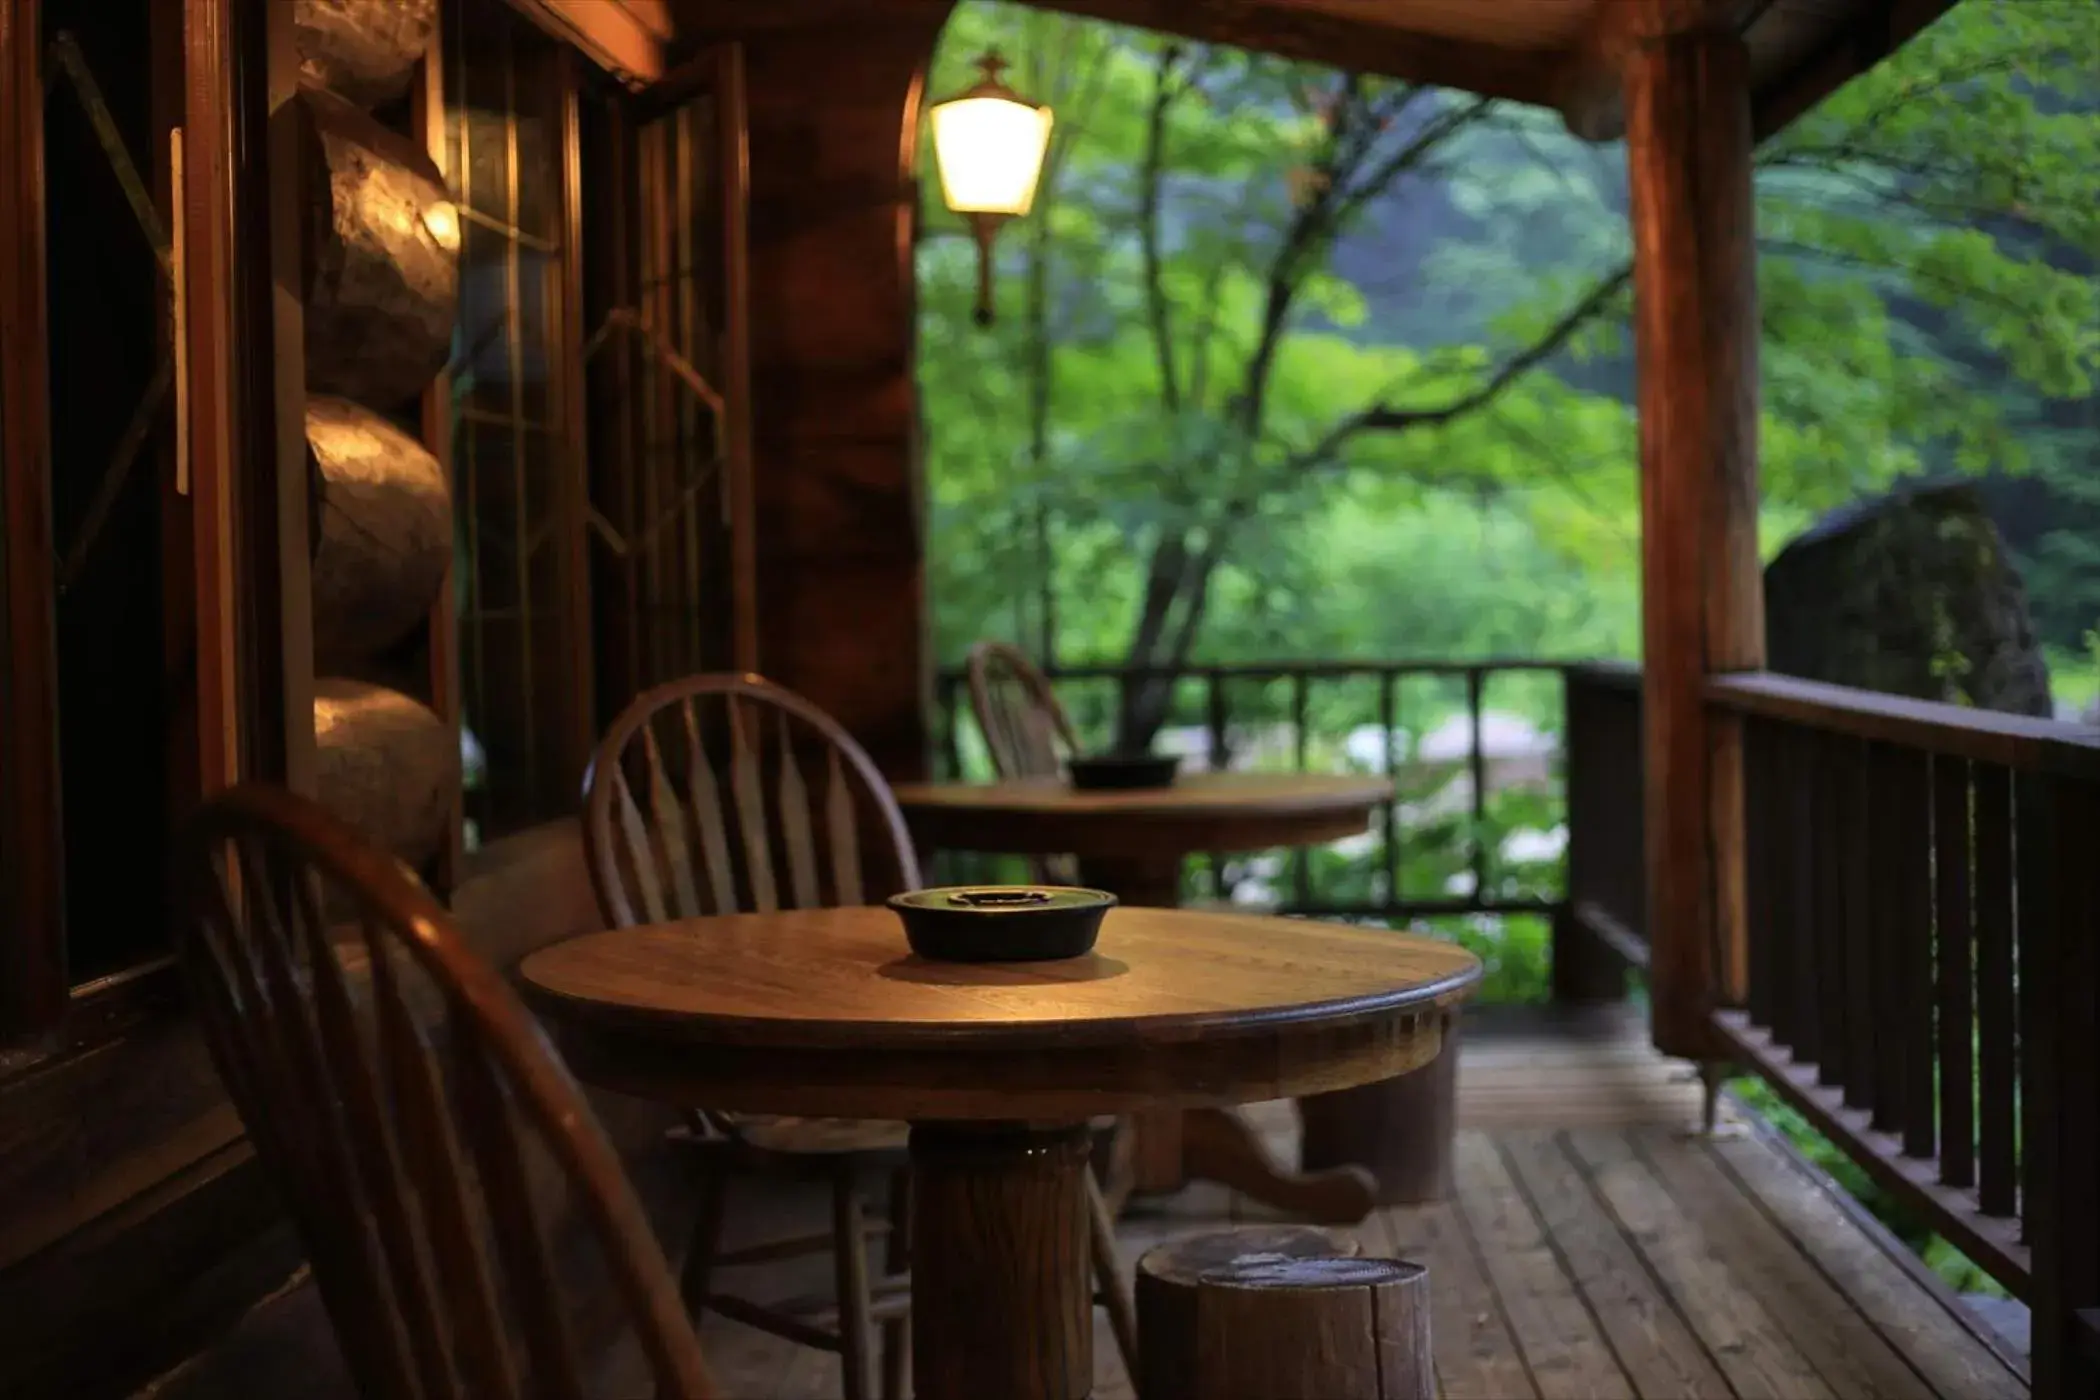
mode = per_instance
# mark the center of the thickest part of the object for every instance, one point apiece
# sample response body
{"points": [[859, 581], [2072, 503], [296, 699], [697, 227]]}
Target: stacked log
{"points": [[385, 763], [381, 290], [382, 274], [382, 530], [363, 50]]}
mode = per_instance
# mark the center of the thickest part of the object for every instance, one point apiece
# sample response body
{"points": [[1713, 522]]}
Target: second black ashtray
{"points": [[1123, 771], [1002, 923]]}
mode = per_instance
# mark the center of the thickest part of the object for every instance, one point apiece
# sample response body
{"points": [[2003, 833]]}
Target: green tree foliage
{"points": [[1293, 361]]}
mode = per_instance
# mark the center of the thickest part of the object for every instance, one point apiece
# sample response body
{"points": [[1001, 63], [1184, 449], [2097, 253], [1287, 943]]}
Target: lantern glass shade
{"points": [[990, 153]]}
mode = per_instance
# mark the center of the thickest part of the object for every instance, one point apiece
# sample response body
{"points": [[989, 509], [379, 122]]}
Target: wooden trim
{"points": [[275, 562], [2019, 742], [207, 215], [733, 126], [573, 493], [441, 644], [1992, 1241], [624, 37], [32, 888]]}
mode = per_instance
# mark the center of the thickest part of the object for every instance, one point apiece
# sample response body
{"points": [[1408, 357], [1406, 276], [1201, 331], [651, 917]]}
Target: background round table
{"points": [[998, 1066], [1133, 843]]}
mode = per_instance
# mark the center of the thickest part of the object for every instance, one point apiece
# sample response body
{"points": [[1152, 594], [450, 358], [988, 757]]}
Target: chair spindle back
{"points": [[728, 794], [407, 1104]]}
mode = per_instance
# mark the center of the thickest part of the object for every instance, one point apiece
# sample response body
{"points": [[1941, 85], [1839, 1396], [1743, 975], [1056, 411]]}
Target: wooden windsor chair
{"points": [[413, 1115], [1026, 729], [697, 803]]}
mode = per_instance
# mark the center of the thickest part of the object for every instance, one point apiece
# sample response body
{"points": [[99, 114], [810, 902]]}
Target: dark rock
{"points": [[1912, 593]]}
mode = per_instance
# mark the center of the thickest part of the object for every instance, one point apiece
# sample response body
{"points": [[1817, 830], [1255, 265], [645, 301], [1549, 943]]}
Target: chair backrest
{"points": [[1023, 724], [1026, 729], [727, 794], [407, 1105]]}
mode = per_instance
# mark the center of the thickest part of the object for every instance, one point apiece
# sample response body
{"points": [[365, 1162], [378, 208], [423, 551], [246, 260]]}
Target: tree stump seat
{"points": [[1281, 1313]]}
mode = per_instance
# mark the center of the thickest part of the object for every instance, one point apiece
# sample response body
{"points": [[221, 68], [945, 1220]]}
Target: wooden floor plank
{"points": [[1476, 1357], [1658, 1351], [1751, 1348], [1562, 1346], [1838, 1341], [1916, 1322], [1631, 1263]]}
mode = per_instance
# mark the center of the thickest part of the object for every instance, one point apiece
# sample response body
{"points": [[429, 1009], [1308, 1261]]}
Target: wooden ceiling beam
{"points": [[627, 38], [1344, 41]]}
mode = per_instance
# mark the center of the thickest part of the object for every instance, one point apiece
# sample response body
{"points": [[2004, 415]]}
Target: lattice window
{"points": [[669, 497], [515, 468]]}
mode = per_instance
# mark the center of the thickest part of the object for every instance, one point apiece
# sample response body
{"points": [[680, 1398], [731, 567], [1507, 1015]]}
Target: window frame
{"points": [[235, 527], [562, 731]]}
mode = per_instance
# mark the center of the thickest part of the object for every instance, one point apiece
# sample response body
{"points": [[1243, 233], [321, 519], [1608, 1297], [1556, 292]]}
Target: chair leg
{"points": [[1108, 1278], [705, 1244], [849, 1229], [896, 1259]]}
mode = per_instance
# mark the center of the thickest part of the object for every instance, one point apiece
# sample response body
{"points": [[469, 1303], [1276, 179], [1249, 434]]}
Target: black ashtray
{"points": [[1002, 923], [1123, 771]]}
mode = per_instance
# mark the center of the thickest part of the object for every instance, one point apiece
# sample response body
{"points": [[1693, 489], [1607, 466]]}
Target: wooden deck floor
{"points": [[1594, 1249]]}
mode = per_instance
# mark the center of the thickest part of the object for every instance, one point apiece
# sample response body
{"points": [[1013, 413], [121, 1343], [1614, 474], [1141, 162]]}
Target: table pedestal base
{"points": [[1001, 1298], [1175, 1148]]}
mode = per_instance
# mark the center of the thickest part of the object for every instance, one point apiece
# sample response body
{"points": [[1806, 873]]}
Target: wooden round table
{"points": [[1132, 843], [998, 1067]]}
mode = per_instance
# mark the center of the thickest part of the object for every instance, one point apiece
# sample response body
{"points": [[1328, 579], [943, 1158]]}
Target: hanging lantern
{"points": [[989, 142]]}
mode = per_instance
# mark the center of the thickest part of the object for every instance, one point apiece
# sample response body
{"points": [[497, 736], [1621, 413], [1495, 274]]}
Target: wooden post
{"points": [[1688, 136]]}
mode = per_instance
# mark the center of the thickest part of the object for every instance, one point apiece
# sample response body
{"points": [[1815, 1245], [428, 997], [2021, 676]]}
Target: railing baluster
{"points": [[1301, 858], [2037, 964], [1214, 715], [1477, 756], [1855, 835], [1912, 899], [1762, 880], [1885, 835], [1794, 1020], [1997, 1182], [1955, 943], [1388, 722], [1833, 806]]}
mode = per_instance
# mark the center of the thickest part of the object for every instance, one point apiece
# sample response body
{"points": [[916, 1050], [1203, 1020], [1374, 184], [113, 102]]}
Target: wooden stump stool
{"points": [[1281, 1314], [1167, 1279], [1400, 1130]]}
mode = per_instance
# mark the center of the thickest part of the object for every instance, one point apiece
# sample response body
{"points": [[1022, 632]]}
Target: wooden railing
{"points": [[1922, 890], [1607, 894]]}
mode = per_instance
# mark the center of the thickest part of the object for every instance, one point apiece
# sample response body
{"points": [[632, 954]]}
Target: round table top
{"points": [[1199, 812], [827, 1011]]}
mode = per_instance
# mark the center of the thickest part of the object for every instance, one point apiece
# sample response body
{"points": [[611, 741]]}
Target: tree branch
{"points": [[1385, 418], [1152, 176]]}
